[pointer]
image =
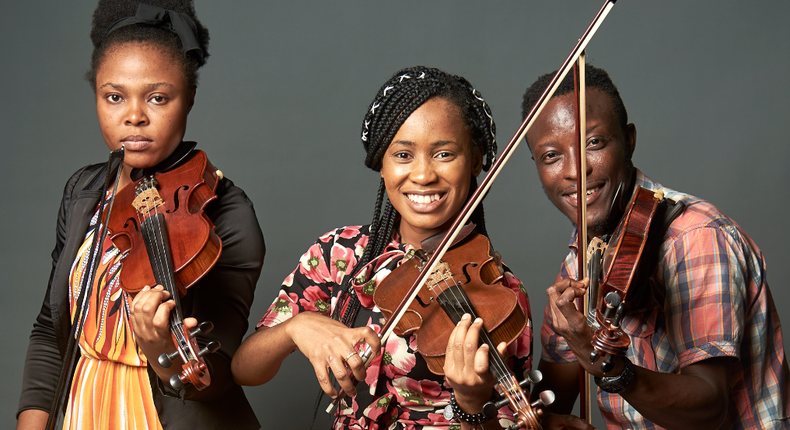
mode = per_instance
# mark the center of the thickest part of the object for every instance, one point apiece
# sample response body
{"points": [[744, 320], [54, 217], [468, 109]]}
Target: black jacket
{"points": [[223, 296]]}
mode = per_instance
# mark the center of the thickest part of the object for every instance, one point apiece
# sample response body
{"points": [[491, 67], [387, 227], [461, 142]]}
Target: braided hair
{"points": [[110, 12], [396, 100]]}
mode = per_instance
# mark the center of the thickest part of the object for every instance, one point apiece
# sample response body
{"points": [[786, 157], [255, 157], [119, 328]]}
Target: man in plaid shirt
{"points": [[706, 343]]}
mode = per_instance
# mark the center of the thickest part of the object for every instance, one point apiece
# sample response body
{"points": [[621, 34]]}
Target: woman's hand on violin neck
{"points": [[331, 346], [466, 366], [150, 318]]}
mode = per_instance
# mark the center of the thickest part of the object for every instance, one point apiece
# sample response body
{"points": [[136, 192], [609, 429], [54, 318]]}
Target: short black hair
{"points": [[108, 12], [594, 78]]}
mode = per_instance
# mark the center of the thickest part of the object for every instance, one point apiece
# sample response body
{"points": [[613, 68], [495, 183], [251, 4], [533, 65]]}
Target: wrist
{"points": [[464, 413], [617, 381]]}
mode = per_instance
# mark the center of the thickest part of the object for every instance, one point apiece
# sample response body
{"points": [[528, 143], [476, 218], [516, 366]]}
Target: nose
{"points": [[569, 167], [135, 114], [423, 171]]}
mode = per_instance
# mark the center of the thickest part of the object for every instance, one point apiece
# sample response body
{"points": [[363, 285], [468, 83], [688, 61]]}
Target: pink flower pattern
{"points": [[401, 393]]}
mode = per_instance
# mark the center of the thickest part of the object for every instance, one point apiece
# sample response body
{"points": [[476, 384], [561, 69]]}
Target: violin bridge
{"points": [[147, 199], [440, 275]]}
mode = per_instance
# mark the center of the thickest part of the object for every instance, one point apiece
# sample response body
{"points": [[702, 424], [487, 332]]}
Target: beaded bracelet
{"points": [[463, 416]]}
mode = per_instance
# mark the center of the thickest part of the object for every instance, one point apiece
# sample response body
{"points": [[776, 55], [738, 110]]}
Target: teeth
{"points": [[419, 198], [589, 192]]}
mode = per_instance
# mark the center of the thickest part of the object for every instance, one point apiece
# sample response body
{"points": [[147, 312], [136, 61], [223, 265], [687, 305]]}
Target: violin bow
{"points": [[478, 195], [71, 355], [496, 168], [585, 402]]}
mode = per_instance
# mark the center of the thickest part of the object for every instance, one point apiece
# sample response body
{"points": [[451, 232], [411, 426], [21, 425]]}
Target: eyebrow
{"points": [[433, 145], [148, 87], [552, 142]]}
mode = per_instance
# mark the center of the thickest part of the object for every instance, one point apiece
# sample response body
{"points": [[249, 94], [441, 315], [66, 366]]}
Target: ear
{"points": [[630, 140], [477, 162], [192, 98]]}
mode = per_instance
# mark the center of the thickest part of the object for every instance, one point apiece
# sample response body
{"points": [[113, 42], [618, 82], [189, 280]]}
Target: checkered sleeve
{"points": [[703, 274]]}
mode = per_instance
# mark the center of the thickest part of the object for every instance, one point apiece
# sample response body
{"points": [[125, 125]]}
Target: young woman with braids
{"points": [[429, 134], [144, 74]]}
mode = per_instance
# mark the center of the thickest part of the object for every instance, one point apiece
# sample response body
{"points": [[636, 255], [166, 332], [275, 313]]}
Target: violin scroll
{"points": [[610, 339], [529, 419]]}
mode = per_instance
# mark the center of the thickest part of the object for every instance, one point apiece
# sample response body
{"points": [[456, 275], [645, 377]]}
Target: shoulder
{"points": [[697, 214], [348, 236], [235, 221], [704, 234], [345, 234], [90, 177]]}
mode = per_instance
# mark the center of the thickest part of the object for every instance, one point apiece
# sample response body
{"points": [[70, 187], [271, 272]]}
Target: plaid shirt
{"points": [[711, 279]]}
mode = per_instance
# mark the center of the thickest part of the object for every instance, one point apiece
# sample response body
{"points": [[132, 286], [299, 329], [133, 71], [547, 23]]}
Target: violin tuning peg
{"points": [[176, 382], [210, 347], [534, 376], [594, 356], [202, 328], [166, 360], [490, 410], [546, 398]]}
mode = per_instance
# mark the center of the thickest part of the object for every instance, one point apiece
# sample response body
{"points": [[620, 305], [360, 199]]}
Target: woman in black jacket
{"points": [[143, 72]]}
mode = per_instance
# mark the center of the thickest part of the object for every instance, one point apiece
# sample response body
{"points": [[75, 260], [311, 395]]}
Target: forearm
{"points": [[563, 380], [695, 398], [260, 356], [32, 419]]}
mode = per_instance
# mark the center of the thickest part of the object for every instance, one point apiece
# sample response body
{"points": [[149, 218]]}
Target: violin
{"points": [[165, 238], [467, 281], [618, 266], [621, 265]]}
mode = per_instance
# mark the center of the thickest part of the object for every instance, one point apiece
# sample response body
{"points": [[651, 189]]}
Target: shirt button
{"points": [[644, 327]]}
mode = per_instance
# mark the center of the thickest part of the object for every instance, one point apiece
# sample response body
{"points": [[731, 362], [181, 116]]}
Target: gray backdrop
{"points": [[282, 97]]}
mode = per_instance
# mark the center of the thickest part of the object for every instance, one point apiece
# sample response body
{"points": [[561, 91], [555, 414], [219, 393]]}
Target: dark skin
{"points": [[142, 102], [427, 171], [694, 398]]}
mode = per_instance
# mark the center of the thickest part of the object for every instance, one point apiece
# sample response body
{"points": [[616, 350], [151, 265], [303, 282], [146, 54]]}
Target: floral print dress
{"points": [[399, 391]]}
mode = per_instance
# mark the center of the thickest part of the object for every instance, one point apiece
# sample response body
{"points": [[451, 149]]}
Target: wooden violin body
{"points": [[180, 196], [620, 265], [467, 267], [166, 239]]}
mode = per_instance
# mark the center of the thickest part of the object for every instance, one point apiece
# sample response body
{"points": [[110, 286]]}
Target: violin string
{"points": [[494, 358], [166, 265], [461, 298], [155, 235]]}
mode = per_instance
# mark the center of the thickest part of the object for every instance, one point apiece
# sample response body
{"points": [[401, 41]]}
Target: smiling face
{"points": [[142, 101], [552, 140], [427, 169]]}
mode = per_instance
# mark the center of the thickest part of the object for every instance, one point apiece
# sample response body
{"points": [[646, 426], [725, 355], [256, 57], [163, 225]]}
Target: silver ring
{"points": [[350, 354]]}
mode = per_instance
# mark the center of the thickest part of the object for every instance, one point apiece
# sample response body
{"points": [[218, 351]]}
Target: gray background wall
{"points": [[282, 97]]}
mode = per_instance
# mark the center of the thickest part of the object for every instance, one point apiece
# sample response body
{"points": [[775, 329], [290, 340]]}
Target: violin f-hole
{"points": [[466, 273], [134, 222], [423, 304], [175, 198]]}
